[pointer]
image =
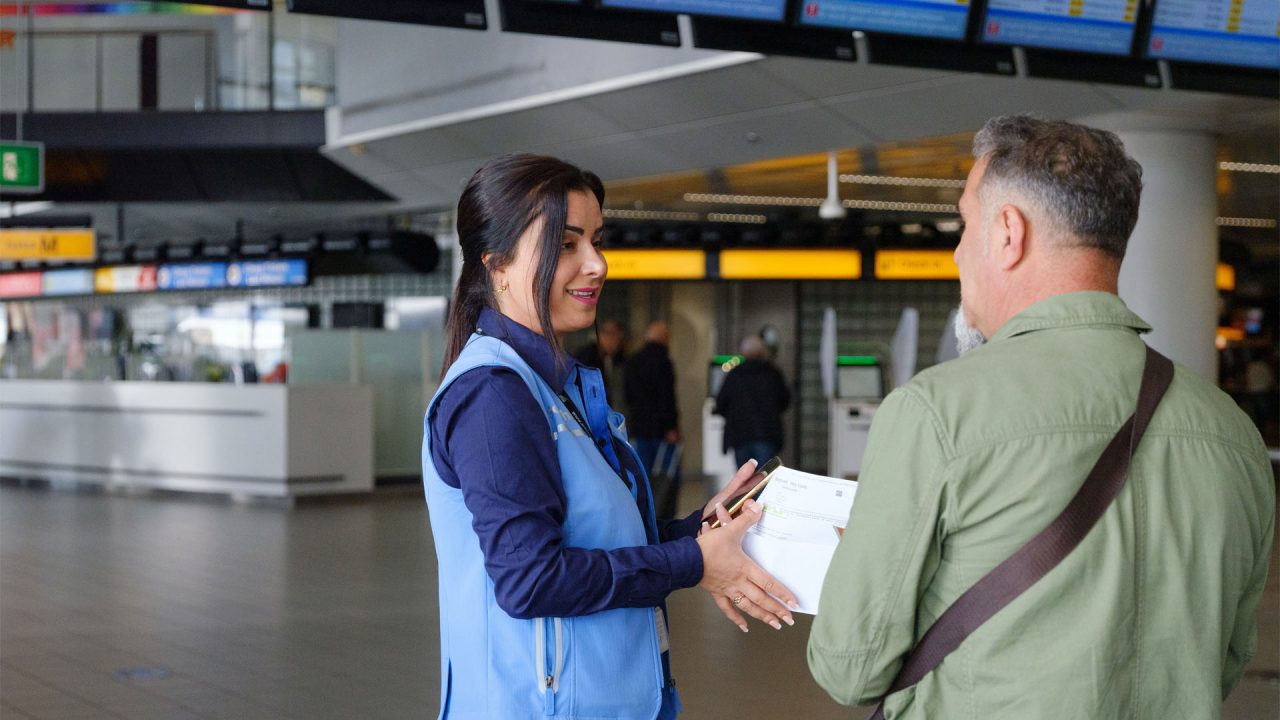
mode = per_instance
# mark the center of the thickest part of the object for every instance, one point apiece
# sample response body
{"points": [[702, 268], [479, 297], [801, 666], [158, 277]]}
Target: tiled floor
{"points": [[176, 609]]}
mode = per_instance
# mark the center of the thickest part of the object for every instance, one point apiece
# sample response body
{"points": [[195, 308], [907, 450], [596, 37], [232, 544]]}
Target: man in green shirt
{"points": [[1152, 616]]}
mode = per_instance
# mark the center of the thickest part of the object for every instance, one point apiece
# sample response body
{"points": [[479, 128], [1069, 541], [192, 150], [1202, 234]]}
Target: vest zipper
{"points": [[548, 684]]}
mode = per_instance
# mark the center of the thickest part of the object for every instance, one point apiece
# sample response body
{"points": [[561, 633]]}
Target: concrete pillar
{"points": [[1168, 276]]}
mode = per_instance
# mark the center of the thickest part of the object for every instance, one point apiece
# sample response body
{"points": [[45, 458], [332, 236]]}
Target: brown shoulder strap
{"points": [[1044, 551]]}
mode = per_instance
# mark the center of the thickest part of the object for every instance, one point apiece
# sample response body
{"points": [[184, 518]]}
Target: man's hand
{"points": [[734, 580]]}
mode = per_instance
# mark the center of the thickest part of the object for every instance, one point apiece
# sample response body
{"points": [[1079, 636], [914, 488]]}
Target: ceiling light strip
{"points": [[786, 201], [901, 181], [941, 208], [738, 218], [1241, 222], [780, 200], [618, 214], [1267, 168]]}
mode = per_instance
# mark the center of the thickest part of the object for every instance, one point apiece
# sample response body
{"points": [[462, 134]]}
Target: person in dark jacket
{"points": [[752, 400], [650, 384], [608, 353]]}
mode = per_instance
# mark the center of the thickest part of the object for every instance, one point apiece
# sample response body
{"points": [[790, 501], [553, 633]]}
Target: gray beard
{"points": [[967, 338]]}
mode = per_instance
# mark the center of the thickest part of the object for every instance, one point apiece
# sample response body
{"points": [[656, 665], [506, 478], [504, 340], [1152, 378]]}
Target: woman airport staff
{"points": [[553, 572]]}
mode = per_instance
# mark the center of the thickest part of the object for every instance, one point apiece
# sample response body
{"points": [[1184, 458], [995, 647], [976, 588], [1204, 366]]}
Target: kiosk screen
{"points": [[930, 18], [1097, 26], [1223, 32]]}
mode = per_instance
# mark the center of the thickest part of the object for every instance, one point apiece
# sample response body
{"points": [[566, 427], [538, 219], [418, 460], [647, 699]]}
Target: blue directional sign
{"points": [[192, 276], [267, 273], [67, 282]]}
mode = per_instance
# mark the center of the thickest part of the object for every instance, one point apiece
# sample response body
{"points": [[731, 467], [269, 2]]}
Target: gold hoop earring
{"points": [[502, 289]]}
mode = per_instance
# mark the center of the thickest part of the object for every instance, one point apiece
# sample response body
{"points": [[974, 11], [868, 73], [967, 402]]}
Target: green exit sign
{"points": [[21, 167]]}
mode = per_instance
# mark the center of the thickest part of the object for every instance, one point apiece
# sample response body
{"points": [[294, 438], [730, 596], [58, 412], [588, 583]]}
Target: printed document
{"points": [[804, 516]]}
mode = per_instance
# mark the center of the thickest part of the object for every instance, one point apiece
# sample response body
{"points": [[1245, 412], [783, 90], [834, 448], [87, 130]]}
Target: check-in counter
{"points": [[244, 440]]}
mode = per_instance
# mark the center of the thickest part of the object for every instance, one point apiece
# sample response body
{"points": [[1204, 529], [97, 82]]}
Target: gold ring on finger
{"points": [[737, 600]]}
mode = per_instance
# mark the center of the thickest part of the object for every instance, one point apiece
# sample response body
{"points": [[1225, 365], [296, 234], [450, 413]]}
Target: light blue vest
{"points": [[605, 665]]}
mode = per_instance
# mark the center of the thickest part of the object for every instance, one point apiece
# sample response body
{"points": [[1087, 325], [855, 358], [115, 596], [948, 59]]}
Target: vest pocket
{"points": [[549, 653]]}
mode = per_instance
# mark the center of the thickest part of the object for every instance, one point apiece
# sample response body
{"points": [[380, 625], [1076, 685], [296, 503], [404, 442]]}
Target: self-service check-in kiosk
{"points": [[717, 464], [856, 383], [859, 388]]}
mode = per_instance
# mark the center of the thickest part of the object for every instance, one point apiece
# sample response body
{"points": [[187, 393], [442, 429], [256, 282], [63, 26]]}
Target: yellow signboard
{"points": [[48, 244], [1226, 277], [777, 264], [656, 264], [916, 265]]}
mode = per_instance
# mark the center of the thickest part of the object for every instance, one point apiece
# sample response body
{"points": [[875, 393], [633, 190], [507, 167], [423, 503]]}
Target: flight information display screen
{"points": [[742, 9], [1224, 32], [929, 18], [1097, 26]]}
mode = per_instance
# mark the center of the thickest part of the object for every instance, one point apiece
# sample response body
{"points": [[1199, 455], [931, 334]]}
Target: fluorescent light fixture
{"points": [[902, 181], [737, 218], [620, 214], [723, 199], [1240, 222], [9, 210], [1250, 167], [786, 201], [940, 208]]}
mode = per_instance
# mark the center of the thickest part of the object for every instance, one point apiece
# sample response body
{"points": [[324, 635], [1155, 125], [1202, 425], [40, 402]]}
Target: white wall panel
{"points": [[183, 62], [65, 71], [120, 78]]}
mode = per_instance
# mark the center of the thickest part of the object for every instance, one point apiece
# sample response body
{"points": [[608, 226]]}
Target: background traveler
{"points": [[652, 420], [608, 354], [752, 400]]}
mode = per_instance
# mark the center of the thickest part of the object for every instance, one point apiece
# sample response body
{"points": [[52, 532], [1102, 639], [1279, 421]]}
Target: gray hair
{"points": [[1080, 177], [752, 346]]}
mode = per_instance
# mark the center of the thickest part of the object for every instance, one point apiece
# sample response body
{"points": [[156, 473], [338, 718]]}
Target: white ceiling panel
{"points": [[620, 157], [726, 91], [366, 161], [778, 132], [424, 149], [824, 78], [1221, 112], [770, 108], [537, 127], [961, 103]]}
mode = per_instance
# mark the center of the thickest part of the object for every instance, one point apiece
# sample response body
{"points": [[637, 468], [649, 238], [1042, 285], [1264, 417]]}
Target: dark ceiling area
{"points": [[188, 157]]}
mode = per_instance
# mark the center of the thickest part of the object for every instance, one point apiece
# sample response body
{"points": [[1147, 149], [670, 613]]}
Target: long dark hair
{"points": [[500, 202]]}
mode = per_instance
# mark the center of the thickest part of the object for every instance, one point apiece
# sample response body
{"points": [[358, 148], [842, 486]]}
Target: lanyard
{"points": [[573, 410]]}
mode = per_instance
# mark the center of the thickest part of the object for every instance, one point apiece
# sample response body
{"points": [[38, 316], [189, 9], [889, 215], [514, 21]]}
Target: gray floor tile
{"points": [[320, 613]]}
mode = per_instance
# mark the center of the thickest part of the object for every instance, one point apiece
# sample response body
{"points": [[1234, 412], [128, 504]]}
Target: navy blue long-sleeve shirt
{"points": [[490, 439]]}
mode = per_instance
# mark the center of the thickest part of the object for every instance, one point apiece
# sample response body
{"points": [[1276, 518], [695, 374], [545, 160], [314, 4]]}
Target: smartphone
{"points": [[761, 478]]}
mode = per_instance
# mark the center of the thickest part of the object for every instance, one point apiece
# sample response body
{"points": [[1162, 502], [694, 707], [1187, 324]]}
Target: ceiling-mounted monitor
{"points": [[1219, 32], [264, 5], [1093, 26], [718, 33], [447, 13], [579, 20], [946, 19], [771, 10]]}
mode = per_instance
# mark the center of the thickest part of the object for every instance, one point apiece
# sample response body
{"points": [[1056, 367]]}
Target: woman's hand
{"points": [[734, 580], [736, 487]]}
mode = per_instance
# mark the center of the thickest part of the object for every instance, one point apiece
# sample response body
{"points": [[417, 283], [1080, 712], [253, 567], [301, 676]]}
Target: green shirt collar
{"points": [[1073, 310]]}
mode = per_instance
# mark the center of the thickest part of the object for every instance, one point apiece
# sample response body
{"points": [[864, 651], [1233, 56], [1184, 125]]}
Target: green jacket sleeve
{"points": [[867, 617]]}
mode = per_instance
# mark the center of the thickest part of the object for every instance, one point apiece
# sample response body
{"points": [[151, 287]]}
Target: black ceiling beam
{"points": [[170, 130], [188, 157]]}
